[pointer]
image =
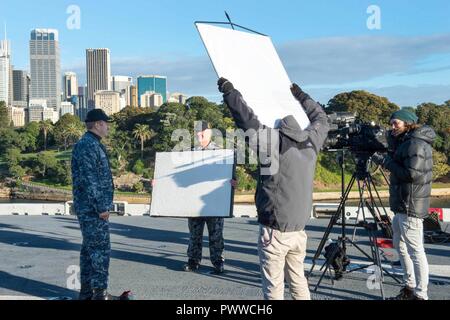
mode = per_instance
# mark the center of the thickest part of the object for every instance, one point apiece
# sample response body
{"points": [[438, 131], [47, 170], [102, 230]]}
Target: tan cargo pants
{"points": [[280, 254]]}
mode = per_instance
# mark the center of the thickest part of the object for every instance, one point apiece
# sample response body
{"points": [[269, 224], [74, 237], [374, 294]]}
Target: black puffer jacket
{"points": [[284, 197], [411, 168]]}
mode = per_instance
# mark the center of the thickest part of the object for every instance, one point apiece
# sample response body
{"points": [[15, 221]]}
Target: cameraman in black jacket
{"points": [[411, 165]]}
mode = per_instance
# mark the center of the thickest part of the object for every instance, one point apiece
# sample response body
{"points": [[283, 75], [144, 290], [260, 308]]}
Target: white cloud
{"points": [[322, 63]]}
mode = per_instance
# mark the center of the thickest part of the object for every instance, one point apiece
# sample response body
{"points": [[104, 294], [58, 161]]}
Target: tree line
{"points": [[138, 133]]}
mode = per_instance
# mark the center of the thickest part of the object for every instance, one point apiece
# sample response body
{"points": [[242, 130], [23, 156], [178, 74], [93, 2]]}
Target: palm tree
{"points": [[143, 133], [46, 127], [71, 131]]}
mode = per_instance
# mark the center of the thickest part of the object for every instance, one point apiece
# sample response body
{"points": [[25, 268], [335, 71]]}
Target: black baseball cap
{"points": [[97, 115], [202, 125]]}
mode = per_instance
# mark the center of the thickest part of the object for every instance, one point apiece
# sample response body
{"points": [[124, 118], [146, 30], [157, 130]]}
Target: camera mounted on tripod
{"points": [[349, 132]]}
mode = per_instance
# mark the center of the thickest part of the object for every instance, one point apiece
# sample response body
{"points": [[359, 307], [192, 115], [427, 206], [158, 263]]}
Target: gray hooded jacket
{"points": [[284, 198]]}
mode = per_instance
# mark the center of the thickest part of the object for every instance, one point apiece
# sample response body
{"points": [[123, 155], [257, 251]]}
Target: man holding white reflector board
{"points": [[263, 102]]}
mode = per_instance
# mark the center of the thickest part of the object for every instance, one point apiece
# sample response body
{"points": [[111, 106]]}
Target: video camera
{"points": [[348, 132]]}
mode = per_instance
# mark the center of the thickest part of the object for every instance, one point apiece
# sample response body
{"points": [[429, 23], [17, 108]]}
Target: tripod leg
{"points": [[327, 265], [333, 221], [361, 207], [380, 267]]}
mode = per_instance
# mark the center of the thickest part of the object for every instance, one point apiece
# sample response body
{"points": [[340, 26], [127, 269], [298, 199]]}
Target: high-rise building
{"points": [[98, 72], [38, 111], [66, 108], [151, 99], [21, 88], [16, 116], [108, 101], [45, 67], [178, 98], [156, 84], [5, 71], [81, 103], [11, 88], [133, 97], [70, 85], [121, 83]]}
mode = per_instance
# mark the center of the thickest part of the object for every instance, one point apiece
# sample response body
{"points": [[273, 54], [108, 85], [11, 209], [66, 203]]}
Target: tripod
{"points": [[365, 183]]}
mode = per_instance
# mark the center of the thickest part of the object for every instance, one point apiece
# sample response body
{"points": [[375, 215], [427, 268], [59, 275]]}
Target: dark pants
{"points": [[216, 242], [95, 251]]}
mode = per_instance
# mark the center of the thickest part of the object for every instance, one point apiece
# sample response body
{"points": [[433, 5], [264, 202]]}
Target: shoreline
{"points": [[238, 198]]}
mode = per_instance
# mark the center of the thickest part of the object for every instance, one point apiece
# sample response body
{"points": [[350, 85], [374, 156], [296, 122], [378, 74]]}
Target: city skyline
{"points": [[329, 50]]}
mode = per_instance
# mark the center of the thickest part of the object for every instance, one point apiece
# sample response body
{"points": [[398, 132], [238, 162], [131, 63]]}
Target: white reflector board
{"points": [[193, 184], [252, 64]]}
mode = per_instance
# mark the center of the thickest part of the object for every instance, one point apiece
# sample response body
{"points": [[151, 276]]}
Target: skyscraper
{"points": [[81, 103], [108, 101], [38, 111], [5, 70], [70, 85], [98, 72], [45, 67], [66, 107], [123, 85], [21, 88], [156, 84], [133, 97], [16, 116]]}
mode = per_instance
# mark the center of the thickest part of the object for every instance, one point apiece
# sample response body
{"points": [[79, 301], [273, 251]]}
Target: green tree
{"points": [[139, 167], [72, 133], [245, 180], [68, 128], [368, 107], [9, 138], [148, 173], [17, 172], [127, 118], [217, 115], [143, 133], [4, 116], [28, 137], [44, 162], [435, 116], [120, 146], [13, 157], [438, 117], [138, 187], [61, 173], [440, 166], [168, 118], [46, 127]]}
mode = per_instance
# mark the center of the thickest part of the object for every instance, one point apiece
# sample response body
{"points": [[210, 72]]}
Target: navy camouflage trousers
{"points": [[216, 242], [95, 251]]}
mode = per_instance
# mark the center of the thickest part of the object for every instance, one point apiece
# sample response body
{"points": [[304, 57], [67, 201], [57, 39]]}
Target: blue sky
{"points": [[325, 45]]}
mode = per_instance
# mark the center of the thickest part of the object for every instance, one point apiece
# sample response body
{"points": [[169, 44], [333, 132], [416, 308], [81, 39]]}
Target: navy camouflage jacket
{"points": [[93, 186]]}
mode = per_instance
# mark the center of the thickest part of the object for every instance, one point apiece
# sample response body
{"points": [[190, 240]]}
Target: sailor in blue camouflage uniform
{"points": [[214, 225], [93, 192]]}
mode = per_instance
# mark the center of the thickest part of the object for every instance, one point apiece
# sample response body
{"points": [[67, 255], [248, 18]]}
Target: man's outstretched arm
{"points": [[242, 114]]}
